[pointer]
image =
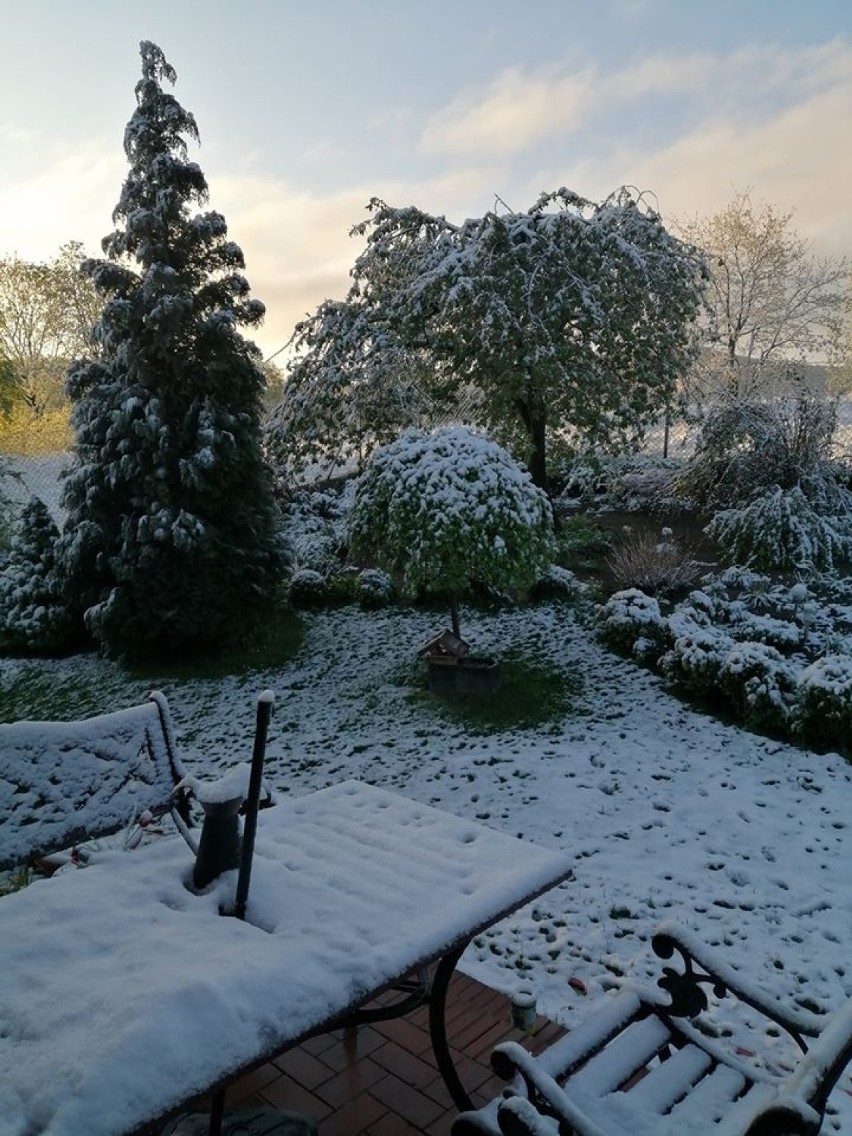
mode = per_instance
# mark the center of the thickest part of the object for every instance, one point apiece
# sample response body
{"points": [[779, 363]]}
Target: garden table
{"points": [[123, 994]]}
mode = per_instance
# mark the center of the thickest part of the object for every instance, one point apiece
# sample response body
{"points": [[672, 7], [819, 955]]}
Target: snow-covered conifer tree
{"points": [[170, 539], [33, 617]]}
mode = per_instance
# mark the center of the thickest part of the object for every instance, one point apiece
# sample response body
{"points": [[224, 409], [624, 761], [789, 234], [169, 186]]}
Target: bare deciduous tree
{"points": [[47, 311], [772, 302]]}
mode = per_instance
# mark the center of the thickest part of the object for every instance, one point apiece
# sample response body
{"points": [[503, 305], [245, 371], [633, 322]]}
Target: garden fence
{"points": [[41, 476]]}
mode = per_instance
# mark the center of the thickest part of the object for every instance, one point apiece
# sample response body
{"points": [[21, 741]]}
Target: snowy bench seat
{"points": [[647, 1063], [65, 782]]}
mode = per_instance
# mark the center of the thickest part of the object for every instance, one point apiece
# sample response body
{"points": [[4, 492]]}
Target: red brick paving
{"points": [[381, 1079]]}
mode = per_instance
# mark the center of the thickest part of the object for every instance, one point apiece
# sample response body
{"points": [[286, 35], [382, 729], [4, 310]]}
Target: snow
{"points": [[666, 812], [123, 992]]}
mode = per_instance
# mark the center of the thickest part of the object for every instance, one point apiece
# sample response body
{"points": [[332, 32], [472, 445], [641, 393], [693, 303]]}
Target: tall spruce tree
{"points": [[170, 542]]}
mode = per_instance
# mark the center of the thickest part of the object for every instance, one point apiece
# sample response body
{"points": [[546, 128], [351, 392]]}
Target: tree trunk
{"points": [[534, 419], [454, 616]]}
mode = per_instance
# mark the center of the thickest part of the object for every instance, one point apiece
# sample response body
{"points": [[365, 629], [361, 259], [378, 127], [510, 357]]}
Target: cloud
{"points": [[67, 195], [520, 111], [516, 112], [797, 159]]}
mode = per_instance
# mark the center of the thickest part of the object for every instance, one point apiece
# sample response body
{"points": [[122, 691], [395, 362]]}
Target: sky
{"points": [[308, 110]]}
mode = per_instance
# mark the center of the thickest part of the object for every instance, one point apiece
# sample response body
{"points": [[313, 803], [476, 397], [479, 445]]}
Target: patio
{"points": [[381, 1080]]}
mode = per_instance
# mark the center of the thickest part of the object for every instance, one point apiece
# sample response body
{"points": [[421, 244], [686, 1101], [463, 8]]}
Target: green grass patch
{"points": [[274, 642], [532, 693], [41, 690]]}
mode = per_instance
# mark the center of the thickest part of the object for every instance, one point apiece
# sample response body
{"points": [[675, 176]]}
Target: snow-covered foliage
{"points": [[569, 314], [307, 588], [824, 706], [628, 616], [33, 616], [766, 474], [628, 482], [558, 583], [374, 588], [314, 529], [170, 541], [449, 509], [776, 657], [782, 530]]}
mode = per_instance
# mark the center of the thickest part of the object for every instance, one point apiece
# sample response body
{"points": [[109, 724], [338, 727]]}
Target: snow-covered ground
{"points": [[668, 813]]}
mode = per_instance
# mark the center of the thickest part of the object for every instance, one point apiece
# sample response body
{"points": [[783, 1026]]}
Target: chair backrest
{"points": [[65, 782]]}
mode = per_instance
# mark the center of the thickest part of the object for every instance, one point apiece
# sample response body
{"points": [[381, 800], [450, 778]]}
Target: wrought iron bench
{"points": [[63, 783], [651, 1062]]}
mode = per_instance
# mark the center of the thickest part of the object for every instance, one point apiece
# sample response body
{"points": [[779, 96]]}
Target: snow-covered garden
{"points": [[176, 542]]}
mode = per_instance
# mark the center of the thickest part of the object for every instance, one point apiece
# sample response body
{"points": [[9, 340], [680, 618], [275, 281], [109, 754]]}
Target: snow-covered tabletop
{"points": [[123, 994]]}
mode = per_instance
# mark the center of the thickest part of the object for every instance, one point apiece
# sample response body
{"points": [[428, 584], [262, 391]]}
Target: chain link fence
{"points": [[41, 476]]}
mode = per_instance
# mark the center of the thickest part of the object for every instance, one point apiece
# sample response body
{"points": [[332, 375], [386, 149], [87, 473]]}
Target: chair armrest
{"points": [[670, 937], [544, 1097], [821, 1067]]}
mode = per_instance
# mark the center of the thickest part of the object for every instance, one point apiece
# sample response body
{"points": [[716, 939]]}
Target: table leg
{"points": [[217, 1113], [438, 1029]]}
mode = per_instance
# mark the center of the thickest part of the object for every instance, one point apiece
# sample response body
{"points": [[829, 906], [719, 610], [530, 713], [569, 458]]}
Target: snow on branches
{"points": [[450, 508], [570, 316]]}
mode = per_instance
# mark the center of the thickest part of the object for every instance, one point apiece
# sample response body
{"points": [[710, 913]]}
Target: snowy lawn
{"points": [[668, 813]]}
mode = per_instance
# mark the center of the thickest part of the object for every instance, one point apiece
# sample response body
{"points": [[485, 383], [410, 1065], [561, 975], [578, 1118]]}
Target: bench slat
{"points": [[671, 1080], [712, 1097], [631, 1051]]}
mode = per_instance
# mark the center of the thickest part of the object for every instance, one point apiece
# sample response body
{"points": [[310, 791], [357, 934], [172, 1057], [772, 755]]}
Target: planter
{"points": [[472, 674]]}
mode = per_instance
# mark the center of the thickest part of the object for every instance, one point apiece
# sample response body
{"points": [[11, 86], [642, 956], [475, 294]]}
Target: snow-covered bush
{"points": [[759, 684], [374, 588], [558, 583], [695, 659], [782, 530], [307, 588], [656, 564], [746, 448], [823, 712], [631, 482], [449, 510], [33, 615], [766, 474], [630, 617]]}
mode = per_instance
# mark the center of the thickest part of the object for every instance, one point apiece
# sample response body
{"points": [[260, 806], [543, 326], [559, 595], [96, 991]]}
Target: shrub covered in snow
{"points": [[374, 588], [777, 657], [307, 588], [631, 482], [558, 583], [766, 474], [824, 701], [630, 617], [759, 685], [449, 510], [33, 615], [696, 657], [782, 530]]}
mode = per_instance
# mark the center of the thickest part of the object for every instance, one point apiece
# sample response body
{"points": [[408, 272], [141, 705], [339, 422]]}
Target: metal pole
{"points": [[265, 706]]}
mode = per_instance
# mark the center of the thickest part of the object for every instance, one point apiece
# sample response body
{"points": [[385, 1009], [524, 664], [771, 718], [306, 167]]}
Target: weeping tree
{"points": [[447, 510], [571, 315], [170, 539]]}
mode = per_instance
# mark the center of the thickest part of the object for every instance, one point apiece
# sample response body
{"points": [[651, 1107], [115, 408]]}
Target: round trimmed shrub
{"points": [[629, 617], [307, 588], [449, 511], [374, 588], [823, 711]]}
